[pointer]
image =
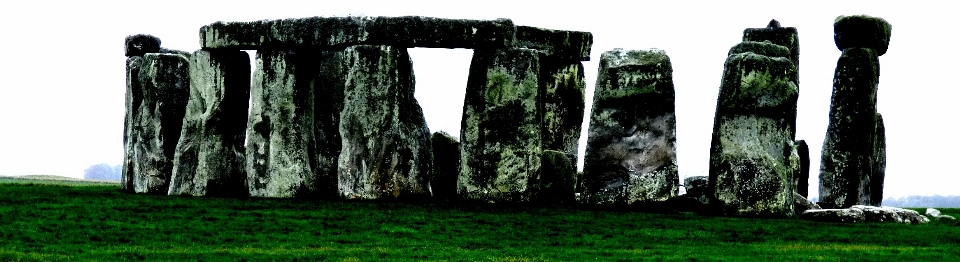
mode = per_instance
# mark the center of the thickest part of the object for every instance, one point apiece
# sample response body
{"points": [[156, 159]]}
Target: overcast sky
{"points": [[62, 69]]}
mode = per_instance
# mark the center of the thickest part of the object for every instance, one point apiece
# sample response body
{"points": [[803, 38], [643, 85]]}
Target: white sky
{"points": [[62, 69]]}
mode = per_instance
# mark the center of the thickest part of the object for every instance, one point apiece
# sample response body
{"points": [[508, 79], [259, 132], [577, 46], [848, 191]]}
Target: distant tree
{"points": [[102, 171]]}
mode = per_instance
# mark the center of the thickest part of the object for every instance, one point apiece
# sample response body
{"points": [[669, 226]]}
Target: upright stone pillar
{"points": [[209, 160], [753, 159], [803, 178], [501, 132], [446, 165], [135, 46], [156, 101], [852, 167], [563, 87], [631, 148], [280, 151], [386, 142]]}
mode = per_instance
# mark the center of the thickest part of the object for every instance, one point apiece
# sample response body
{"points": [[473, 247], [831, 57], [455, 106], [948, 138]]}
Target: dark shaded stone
{"points": [[834, 215], [138, 45], [557, 180], [803, 178], [386, 142], [753, 159], [329, 33], [501, 128], [862, 31], [631, 146], [446, 165], [157, 100], [696, 185], [850, 146], [209, 160], [559, 44], [328, 103], [280, 152], [562, 86], [784, 36], [879, 163]]}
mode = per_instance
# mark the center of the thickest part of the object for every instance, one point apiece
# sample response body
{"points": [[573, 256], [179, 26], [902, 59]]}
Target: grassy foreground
{"points": [[58, 222]]}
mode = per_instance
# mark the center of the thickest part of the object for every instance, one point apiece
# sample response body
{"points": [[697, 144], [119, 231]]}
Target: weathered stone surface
{"points": [[776, 34], [946, 218], [557, 180], [932, 212], [138, 45], [209, 159], [850, 155], [764, 48], [834, 215], [328, 102], [562, 85], [280, 150], [753, 160], [801, 204], [560, 44], [337, 32], [879, 163], [386, 142], [156, 102], [500, 135], [631, 146], [133, 98], [446, 165], [696, 185], [803, 178], [891, 214], [862, 31]]}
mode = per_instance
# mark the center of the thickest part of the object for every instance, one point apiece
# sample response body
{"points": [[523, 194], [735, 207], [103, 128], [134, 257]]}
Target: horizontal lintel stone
{"points": [[561, 44], [339, 32]]}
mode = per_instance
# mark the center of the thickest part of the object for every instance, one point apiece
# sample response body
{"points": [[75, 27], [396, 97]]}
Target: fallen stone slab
{"points": [[891, 214], [558, 44], [801, 204], [631, 146], [209, 159], [946, 218], [862, 31], [932, 212], [834, 215], [327, 33]]}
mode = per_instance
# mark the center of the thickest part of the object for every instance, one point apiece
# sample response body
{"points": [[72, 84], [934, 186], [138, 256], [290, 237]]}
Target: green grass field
{"points": [[49, 220]]}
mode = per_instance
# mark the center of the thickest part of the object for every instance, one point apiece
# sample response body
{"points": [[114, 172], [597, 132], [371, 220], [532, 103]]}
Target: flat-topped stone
{"points": [[574, 45], [334, 32], [765, 48], [862, 31]]}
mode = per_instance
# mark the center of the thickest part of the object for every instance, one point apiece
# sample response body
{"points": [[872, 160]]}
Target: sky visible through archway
{"points": [[62, 69]]}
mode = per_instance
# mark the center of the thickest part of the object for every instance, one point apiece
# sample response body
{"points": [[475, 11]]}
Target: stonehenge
{"points": [[328, 111], [854, 155]]}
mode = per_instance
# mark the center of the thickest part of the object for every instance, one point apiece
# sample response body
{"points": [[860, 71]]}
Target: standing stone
{"points": [[386, 142], [563, 88], [854, 154], [133, 98], [280, 151], [849, 149], [163, 81], [778, 35], [501, 129], [209, 160], [753, 159], [803, 178], [631, 148], [557, 179], [446, 165], [328, 103]]}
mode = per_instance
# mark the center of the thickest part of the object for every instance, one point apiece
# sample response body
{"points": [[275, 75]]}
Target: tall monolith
{"points": [[156, 102], [853, 160], [446, 165], [386, 142], [631, 154], [209, 160], [280, 150], [501, 131], [753, 159]]}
